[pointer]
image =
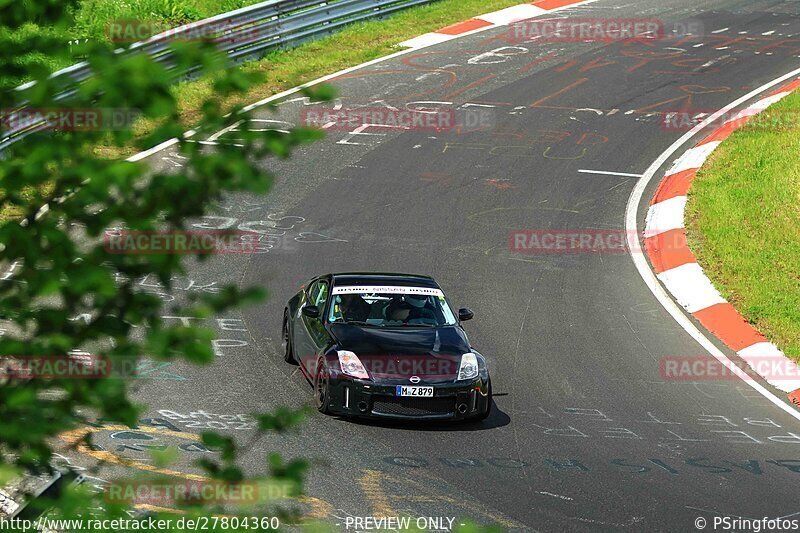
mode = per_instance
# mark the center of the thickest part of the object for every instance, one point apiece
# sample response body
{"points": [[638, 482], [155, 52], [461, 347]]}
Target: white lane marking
{"points": [[554, 495], [693, 158], [598, 112], [720, 30], [157, 148], [606, 173], [764, 103], [225, 130], [427, 75], [631, 225], [690, 286], [665, 216], [513, 14], [768, 32]]}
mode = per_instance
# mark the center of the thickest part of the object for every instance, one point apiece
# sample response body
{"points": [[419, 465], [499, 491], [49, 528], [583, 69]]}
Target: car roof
{"points": [[383, 278]]}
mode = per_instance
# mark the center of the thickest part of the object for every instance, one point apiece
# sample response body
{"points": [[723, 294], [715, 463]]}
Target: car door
{"points": [[311, 336]]}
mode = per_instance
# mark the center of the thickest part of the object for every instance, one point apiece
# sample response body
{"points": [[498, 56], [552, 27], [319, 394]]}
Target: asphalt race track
{"points": [[587, 433]]}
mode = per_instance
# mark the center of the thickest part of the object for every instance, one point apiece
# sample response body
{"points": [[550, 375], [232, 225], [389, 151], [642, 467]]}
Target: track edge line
{"points": [[647, 273]]}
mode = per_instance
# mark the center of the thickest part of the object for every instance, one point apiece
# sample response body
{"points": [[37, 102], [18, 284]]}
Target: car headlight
{"points": [[469, 366], [351, 365]]}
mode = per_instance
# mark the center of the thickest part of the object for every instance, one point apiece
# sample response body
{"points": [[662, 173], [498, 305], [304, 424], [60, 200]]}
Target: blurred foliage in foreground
{"points": [[40, 44], [61, 292]]}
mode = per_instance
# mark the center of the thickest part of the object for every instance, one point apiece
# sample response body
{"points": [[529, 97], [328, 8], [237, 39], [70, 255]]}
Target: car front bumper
{"points": [[451, 400]]}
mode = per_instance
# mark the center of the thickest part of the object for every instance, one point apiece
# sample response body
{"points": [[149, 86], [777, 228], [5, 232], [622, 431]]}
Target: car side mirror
{"points": [[465, 314], [311, 311]]}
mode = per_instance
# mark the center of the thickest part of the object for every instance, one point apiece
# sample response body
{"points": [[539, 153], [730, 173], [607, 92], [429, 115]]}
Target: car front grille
{"points": [[403, 406]]}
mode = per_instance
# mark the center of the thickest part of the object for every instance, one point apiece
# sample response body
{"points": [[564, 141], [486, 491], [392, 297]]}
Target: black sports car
{"points": [[385, 345]]}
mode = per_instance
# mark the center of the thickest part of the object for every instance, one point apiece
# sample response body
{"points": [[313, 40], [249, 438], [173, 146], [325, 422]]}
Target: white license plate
{"points": [[410, 390]]}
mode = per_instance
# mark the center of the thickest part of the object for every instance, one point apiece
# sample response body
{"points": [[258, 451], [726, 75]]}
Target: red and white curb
{"points": [[502, 17], [676, 266]]}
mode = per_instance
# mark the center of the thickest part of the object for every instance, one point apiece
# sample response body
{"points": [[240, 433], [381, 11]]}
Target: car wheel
{"points": [[485, 414], [288, 350], [322, 382]]}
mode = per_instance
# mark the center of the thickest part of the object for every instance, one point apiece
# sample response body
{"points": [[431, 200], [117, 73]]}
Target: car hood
{"points": [[399, 353]]}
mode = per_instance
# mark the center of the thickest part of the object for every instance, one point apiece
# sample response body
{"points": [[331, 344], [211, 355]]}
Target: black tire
{"points": [[485, 414], [322, 383], [288, 349]]}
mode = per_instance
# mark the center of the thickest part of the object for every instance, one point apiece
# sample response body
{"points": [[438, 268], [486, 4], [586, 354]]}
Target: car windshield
{"points": [[390, 307]]}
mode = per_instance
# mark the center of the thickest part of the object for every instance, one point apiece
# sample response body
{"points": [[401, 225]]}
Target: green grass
{"points": [[92, 16], [89, 21], [743, 220]]}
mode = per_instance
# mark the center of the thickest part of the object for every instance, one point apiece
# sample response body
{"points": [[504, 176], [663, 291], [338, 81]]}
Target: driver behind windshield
{"points": [[398, 312], [420, 312], [353, 308]]}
